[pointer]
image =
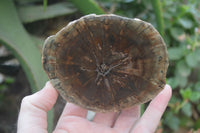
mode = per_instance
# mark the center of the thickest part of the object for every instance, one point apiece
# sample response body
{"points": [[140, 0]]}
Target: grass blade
{"points": [[88, 6], [33, 13]]}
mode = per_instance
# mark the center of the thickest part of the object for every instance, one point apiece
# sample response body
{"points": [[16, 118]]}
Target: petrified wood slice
{"points": [[106, 62]]}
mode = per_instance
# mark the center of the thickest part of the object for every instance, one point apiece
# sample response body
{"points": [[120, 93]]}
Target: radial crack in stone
{"points": [[106, 62]]}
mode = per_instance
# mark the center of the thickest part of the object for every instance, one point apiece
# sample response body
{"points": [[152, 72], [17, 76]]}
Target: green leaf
{"points": [[88, 6], [184, 8], [186, 109], [172, 82], [15, 38], [186, 22], [182, 69], [197, 53], [195, 96], [198, 107], [186, 94], [192, 60], [184, 120], [182, 81], [175, 53], [38, 42], [197, 86], [172, 121], [176, 32], [197, 124], [33, 13], [45, 4], [27, 1], [9, 80], [175, 100]]}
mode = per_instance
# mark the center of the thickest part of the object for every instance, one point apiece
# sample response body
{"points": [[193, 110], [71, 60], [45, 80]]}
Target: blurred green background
{"points": [[24, 25]]}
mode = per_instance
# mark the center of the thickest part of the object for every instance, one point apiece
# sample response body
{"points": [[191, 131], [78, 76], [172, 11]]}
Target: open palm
{"points": [[34, 108]]}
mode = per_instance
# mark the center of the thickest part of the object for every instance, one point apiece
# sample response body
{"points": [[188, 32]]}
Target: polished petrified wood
{"points": [[106, 62]]}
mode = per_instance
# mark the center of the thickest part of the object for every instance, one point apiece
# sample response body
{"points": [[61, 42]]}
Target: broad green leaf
{"points": [[186, 94], [185, 120], [33, 13], [38, 42], [183, 69], [182, 81], [15, 37], [175, 99], [172, 121], [184, 8], [198, 107], [172, 82], [175, 53], [186, 109], [197, 124], [27, 1], [195, 96], [192, 59], [128, 1], [168, 2], [197, 86], [176, 32], [186, 22], [197, 54]]}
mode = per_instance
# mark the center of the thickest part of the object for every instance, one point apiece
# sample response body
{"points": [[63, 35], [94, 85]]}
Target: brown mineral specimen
{"points": [[106, 62]]}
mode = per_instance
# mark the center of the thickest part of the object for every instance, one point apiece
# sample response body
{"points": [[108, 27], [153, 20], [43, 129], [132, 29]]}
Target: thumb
{"points": [[34, 108]]}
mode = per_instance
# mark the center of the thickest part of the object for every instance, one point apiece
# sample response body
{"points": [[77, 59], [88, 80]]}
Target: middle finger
{"points": [[105, 118], [127, 118]]}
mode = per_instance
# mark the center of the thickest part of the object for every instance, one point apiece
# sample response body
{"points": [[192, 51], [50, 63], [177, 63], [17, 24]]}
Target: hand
{"points": [[34, 108]]}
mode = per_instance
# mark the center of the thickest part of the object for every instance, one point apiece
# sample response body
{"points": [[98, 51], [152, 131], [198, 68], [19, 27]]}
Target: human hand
{"points": [[33, 115]]}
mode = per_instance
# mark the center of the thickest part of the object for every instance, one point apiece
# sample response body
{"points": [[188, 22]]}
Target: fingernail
{"points": [[167, 86], [48, 84]]}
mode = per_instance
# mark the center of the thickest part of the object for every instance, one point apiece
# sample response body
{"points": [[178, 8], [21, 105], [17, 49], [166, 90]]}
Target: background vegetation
{"points": [[24, 24]]}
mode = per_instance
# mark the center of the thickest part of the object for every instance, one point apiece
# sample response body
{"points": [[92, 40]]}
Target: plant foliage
{"points": [[178, 21]]}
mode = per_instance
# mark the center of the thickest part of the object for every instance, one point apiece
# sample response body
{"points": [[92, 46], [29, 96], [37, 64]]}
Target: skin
{"points": [[33, 115]]}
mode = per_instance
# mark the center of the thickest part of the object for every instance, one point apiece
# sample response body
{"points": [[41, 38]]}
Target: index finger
{"points": [[151, 117]]}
